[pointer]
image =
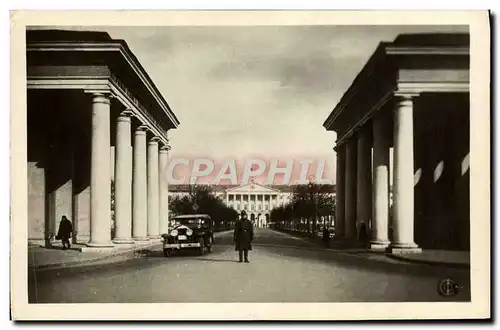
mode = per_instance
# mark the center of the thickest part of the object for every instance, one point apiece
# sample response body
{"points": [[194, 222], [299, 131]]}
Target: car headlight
{"points": [[189, 232], [174, 232]]}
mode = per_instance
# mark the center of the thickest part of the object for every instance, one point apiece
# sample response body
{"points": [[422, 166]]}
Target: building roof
{"points": [[416, 44], [432, 39], [66, 36], [119, 57]]}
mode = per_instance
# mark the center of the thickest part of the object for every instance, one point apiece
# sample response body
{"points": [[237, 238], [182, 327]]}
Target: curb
{"points": [[430, 262], [389, 255], [61, 265], [99, 260], [341, 245]]}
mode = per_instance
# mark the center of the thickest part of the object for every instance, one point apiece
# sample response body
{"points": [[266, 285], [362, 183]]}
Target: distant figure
{"points": [[326, 236], [65, 232], [243, 236], [363, 235]]}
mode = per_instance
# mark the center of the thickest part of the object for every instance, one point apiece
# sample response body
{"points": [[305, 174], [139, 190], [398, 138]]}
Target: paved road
{"points": [[282, 268]]}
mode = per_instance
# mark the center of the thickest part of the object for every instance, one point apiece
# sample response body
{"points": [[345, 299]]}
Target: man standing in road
{"points": [[243, 236]]}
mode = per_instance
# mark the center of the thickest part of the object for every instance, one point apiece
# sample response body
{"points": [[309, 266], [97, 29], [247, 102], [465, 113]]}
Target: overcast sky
{"points": [[255, 91]]}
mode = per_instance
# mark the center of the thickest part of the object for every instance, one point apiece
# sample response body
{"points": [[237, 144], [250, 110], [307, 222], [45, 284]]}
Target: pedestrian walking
{"points": [[65, 231], [363, 235], [326, 236], [243, 236]]}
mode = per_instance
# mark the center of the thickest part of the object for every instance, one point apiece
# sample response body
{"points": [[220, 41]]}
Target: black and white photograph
{"points": [[254, 163]]}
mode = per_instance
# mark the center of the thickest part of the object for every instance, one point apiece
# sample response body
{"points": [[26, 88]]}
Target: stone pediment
{"points": [[252, 188]]}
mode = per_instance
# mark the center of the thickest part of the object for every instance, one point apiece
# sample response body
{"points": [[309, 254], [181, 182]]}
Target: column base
{"points": [[37, 242], [154, 237], [83, 239], [100, 245], [123, 241], [141, 239], [379, 245], [97, 247], [404, 248]]}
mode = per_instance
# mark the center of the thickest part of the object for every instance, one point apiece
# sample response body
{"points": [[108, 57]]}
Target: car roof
{"points": [[187, 216]]}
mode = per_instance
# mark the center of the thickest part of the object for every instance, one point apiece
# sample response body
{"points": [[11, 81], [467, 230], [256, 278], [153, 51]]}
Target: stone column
{"points": [[403, 241], [163, 189], [123, 180], [139, 187], [153, 205], [340, 193], [380, 224], [364, 179], [100, 177], [350, 189]]}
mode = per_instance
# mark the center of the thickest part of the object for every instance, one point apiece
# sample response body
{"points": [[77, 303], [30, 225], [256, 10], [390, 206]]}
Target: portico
{"points": [[256, 200], [86, 94], [411, 101]]}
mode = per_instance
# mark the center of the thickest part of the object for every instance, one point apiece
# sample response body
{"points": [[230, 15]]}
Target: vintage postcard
{"points": [[261, 165]]}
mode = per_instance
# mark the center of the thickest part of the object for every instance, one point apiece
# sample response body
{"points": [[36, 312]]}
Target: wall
{"points": [[36, 157], [54, 126], [441, 187]]}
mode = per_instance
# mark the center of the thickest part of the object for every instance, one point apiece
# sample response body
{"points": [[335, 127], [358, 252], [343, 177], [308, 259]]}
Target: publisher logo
{"points": [[448, 288]]}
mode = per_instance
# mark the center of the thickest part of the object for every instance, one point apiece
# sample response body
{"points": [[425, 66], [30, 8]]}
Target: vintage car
{"points": [[189, 231]]}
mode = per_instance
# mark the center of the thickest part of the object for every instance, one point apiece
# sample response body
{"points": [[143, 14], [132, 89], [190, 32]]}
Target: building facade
{"points": [[88, 97], [255, 199], [411, 101]]}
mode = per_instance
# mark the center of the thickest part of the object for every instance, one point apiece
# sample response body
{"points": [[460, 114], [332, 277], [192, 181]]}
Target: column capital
{"points": [[154, 139], [142, 128], [165, 148], [124, 116], [352, 139], [100, 96], [104, 91], [405, 96], [126, 113], [364, 132], [354, 133], [339, 145]]}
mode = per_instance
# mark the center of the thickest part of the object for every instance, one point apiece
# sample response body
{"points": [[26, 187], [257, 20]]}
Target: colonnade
{"points": [[363, 187], [141, 188], [266, 201]]}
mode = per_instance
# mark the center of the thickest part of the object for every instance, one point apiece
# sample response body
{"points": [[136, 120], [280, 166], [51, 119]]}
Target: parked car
{"points": [[189, 231]]}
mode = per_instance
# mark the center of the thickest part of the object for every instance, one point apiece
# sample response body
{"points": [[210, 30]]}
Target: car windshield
{"points": [[191, 222]]}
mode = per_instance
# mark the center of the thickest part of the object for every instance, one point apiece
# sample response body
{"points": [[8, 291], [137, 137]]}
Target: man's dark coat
{"points": [[65, 229], [243, 235]]}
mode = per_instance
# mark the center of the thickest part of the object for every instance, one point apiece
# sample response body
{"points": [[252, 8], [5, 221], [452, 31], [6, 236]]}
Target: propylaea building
{"points": [[88, 95], [411, 102]]}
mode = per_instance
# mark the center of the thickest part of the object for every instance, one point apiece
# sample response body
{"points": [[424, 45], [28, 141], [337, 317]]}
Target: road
{"points": [[282, 268]]}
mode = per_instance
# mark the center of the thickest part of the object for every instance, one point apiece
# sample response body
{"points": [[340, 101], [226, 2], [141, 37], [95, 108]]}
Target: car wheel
{"points": [[201, 250], [167, 252]]}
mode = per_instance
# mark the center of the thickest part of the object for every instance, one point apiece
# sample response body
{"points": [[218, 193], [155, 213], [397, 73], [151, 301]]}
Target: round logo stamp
{"points": [[448, 287]]}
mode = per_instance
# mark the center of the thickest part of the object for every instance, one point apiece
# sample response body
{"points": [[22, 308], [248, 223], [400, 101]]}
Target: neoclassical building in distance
{"points": [[87, 94], [255, 199]]}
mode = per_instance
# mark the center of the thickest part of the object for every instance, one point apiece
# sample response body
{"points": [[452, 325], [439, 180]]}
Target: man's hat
{"points": [[243, 213]]}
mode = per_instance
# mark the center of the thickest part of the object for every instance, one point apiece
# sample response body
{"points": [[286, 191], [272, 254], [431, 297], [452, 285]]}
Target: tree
{"points": [[313, 200], [202, 199]]}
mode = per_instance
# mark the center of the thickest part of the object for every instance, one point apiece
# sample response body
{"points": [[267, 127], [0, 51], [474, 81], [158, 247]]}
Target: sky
{"points": [[255, 91]]}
